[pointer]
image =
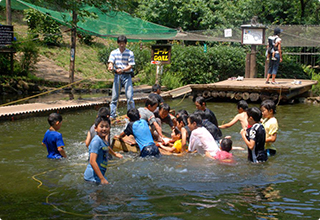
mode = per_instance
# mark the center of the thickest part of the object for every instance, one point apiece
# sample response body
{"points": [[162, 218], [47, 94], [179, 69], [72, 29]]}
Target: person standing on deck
{"points": [[274, 64], [121, 61]]}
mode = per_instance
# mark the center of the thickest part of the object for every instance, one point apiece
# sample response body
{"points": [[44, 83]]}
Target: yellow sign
{"points": [[161, 53]]}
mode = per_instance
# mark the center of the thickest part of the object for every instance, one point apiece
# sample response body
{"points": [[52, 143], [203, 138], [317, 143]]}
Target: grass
{"points": [[86, 60], [87, 64]]}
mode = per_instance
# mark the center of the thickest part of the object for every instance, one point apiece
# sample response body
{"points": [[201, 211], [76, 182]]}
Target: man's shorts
{"points": [[151, 150], [274, 65]]}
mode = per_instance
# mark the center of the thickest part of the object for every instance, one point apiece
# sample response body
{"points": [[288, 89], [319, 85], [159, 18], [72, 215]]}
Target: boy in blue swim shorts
{"points": [[139, 128], [53, 139]]}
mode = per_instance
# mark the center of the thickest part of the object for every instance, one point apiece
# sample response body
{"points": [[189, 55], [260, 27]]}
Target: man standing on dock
{"points": [[274, 64], [121, 61]]}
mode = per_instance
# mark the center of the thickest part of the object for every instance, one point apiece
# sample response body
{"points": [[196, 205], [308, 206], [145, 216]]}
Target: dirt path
{"points": [[48, 70]]}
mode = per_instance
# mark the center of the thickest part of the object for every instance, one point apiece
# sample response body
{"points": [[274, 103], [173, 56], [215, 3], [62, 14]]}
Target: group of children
{"points": [[195, 133]]}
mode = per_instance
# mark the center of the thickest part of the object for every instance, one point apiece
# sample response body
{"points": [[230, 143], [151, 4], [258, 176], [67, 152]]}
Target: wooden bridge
{"points": [[252, 90]]}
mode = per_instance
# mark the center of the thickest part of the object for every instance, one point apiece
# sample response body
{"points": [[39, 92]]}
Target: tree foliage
{"points": [[203, 14], [39, 23]]}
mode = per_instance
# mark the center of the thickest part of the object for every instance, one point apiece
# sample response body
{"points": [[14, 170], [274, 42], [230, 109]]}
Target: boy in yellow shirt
{"points": [[270, 123]]}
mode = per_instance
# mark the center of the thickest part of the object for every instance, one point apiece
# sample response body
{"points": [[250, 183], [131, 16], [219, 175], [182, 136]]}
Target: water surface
{"points": [[191, 187]]}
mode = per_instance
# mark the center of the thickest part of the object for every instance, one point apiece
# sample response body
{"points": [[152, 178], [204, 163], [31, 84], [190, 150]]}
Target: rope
{"points": [[47, 198], [49, 91], [63, 211], [279, 98], [181, 100]]}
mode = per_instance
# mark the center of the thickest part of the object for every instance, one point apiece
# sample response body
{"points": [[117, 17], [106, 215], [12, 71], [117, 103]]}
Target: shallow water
{"points": [[191, 187]]}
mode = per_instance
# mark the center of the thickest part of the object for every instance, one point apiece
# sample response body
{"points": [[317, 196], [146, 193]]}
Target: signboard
{"points": [[155, 62], [6, 35], [253, 36], [228, 32], [161, 53]]}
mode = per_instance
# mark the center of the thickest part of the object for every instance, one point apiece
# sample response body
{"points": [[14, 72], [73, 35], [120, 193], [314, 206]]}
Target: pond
{"points": [[287, 186]]}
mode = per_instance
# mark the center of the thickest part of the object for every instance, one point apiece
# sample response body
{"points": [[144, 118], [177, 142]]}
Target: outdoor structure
{"points": [[6, 38], [115, 23], [252, 90], [252, 34]]}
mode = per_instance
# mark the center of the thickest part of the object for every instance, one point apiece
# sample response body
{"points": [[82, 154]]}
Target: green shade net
{"points": [[106, 25]]}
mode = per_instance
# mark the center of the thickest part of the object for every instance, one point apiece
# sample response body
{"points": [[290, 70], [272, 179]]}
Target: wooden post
{"points": [[73, 46], [247, 68], [266, 68], [157, 73], [8, 12], [9, 22], [252, 34], [253, 63], [73, 50]]}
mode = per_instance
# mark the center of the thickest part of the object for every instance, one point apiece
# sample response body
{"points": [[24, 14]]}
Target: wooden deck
{"points": [[254, 90], [248, 89]]}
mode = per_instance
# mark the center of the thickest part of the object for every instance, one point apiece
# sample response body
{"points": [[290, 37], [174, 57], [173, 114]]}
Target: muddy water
{"points": [[191, 187]]}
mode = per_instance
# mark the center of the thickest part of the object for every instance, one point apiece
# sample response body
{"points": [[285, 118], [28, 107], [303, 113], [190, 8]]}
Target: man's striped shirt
{"points": [[121, 60]]}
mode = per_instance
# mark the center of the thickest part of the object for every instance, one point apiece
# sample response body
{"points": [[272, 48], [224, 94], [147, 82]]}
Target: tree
{"points": [[186, 14], [203, 14], [77, 11]]}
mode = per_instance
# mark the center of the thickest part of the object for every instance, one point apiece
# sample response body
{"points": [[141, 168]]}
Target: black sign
{"points": [[161, 53], [6, 35]]}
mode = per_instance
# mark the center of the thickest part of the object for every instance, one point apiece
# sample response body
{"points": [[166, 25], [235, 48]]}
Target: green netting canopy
{"points": [[111, 24]]}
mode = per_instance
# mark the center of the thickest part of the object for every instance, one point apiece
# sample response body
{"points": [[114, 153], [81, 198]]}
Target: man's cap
{"points": [[277, 31]]}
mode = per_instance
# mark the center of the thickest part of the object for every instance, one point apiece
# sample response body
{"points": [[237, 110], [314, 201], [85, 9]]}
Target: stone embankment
{"points": [[311, 100], [19, 87]]}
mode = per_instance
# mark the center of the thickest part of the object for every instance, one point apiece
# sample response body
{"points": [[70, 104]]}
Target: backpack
{"points": [[271, 43]]}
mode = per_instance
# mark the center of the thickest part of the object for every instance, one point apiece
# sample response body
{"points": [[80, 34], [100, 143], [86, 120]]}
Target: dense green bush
{"points": [[218, 63], [5, 63], [39, 23], [188, 64], [27, 53], [314, 76], [142, 56], [85, 38], [191, 65], [172, 81]]}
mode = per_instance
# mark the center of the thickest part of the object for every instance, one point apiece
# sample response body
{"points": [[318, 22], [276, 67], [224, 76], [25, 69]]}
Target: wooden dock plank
{"points": [[255, 85], [181, 91]]}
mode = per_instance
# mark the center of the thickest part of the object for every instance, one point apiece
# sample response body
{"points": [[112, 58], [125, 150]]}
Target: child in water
{"points": [[270, 123], [139, 128], [201, 140], [146, 113], [53, 139], [241, 116], [182, 125], [224, 155], [156, 90], [255, 136], [175, 145], [103, 112], [162, 115], [98, 152]]}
